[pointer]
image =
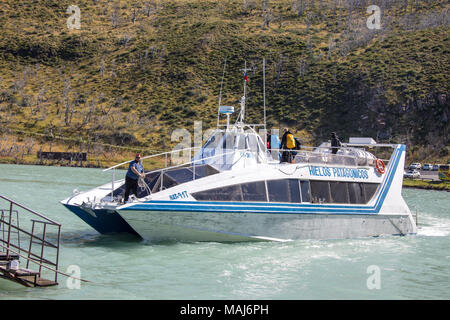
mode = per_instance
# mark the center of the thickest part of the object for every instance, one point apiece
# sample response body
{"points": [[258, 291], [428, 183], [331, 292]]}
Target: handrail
{"points": [[316, 153], [380, 145], [33, 238], [344, 145], [326, 154], [47, 243], [30, 210], [234, 151], [193, 161], [150, 156]]}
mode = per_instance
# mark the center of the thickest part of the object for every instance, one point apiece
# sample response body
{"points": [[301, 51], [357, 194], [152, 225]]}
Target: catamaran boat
{"points": [[234, 189]]}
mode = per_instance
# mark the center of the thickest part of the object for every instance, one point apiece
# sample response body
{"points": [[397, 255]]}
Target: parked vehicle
{"points": [[412, 174], [415, 165], [427, 166], [435, 167]]}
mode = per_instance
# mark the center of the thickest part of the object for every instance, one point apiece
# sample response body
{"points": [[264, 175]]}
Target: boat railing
{"points": [[321, 155], [348, 156], [191, 165], [165, 155]]}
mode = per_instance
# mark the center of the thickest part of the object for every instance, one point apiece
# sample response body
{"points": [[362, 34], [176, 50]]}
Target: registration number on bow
{"points": [[179, 195]]}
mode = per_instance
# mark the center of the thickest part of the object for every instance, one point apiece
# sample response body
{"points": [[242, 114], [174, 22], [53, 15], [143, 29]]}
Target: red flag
{"points": [[246, 77]]}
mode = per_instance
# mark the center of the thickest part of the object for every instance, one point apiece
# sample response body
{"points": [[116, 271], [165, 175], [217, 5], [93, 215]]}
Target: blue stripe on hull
{"points": [[282, 208], [104, 221]]}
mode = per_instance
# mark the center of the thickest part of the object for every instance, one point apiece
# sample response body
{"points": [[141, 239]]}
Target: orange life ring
{"points": [[381, 168]]}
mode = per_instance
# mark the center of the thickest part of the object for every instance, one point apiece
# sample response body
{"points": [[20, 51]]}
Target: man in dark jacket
{"points": [[335, 143], [286, 156], [135, 170]]}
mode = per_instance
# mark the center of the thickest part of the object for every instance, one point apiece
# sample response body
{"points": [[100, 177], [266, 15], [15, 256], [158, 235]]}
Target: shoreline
{"points": [[96, 163], [426, 184]]}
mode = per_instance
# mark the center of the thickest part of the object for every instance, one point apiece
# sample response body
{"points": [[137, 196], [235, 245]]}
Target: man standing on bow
{"points": [[135, 170]]}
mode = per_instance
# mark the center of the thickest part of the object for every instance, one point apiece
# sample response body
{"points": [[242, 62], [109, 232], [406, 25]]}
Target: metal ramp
{"points": [[29, 246]]}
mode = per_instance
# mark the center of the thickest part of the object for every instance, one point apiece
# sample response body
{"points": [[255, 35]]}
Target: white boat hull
{"points": [[158, 226]]}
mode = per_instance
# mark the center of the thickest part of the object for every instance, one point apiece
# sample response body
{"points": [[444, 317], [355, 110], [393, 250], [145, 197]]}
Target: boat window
{"points": [[168, 182], [203, 170], [305, 191], [370, 189], [254, 191], [229, 193], [320, 191], [151, 179], [213, 141], [339, 192], [241, 142], [180, 175], [210, 142], [261, 145], [294, 190], [355, 192], [286, 190], [230, 141], [278, 190], [252, 143], [291, 191]]}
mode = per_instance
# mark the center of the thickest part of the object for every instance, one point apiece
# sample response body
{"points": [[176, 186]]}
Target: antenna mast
{"points": [[264, 91], [243, 99], [220, 94]]}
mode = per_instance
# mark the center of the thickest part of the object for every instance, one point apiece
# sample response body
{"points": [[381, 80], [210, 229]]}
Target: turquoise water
{"points": [[123, 267]]}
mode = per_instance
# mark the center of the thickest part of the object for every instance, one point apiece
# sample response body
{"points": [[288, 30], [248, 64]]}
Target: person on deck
{"points": [[335, 143], [135, 171], [287, 156]]}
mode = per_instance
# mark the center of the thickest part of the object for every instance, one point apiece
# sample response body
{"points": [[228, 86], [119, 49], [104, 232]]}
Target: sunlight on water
{"points": [[125, 267]]}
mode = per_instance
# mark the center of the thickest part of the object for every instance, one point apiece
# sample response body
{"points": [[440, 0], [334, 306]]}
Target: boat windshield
{"points": [[213, 141], [234, 140], [225, 148]]}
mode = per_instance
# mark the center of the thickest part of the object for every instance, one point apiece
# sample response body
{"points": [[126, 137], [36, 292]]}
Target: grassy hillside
{"points": [[137, 70]]}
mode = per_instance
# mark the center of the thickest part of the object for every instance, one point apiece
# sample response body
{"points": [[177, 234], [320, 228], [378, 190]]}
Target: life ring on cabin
{"points": [[379, 164]]}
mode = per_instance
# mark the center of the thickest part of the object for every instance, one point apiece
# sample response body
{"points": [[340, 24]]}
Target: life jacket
{"points": [[290, 141]]}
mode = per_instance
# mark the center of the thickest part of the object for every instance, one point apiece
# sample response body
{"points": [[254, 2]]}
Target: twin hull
{"points": [[165, 225]]}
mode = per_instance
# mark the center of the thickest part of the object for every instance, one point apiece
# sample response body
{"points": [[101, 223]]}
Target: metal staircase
{"points": [[31, 239]]}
